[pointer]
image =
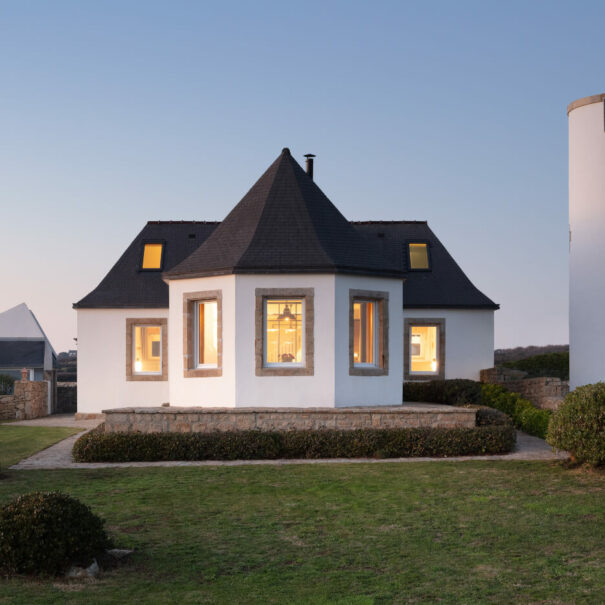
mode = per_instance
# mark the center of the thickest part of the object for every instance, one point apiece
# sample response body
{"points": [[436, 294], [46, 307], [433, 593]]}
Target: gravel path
{"points": [[59, 456]]}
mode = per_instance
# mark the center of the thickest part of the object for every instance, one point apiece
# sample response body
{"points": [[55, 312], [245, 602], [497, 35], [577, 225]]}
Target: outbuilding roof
{"points": [[21, 353], [285, 224]]}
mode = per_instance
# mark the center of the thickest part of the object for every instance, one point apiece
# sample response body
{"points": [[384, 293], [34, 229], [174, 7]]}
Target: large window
{"points": [[284, 331], [368, 333], [203, 338], [424, 348], [152, 256], [206, 331], [418, 256], [365, 343], [146, 349]]}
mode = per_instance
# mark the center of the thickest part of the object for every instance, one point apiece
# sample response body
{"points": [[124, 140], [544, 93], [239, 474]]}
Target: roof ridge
{"points": [[182, 222], [401, 222]]}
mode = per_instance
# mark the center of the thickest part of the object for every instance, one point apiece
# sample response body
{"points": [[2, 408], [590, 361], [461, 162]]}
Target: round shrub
{"points": [[46, 533], [579, 424]]}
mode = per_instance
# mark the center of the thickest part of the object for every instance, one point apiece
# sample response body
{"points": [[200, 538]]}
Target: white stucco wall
{"points": [[469, 339], [209, 391], [102, 380], [274, 391], [368, 390], [587, 245]]}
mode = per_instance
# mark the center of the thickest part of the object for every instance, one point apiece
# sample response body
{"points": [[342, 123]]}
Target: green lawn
{"points": [[440, 532], [18, 442]]}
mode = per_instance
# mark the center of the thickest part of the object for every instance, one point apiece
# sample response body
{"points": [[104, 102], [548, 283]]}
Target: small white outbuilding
{"points": [[284, 303]]}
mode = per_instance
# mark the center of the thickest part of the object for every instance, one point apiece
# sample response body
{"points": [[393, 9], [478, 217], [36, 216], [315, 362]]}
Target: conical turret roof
{"points": [[285, 224]]}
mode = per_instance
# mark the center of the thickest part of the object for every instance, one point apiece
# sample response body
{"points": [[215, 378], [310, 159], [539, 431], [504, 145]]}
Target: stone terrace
{"points": [[206, 420]]}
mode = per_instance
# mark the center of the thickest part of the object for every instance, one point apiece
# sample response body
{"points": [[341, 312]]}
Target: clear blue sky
{"points": [[115, 113]]}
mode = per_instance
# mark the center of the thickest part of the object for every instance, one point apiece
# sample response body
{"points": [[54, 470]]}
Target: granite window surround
{"points": [[439, 323], [190, 300], [381, 299], [308, 296], [131, 323]]}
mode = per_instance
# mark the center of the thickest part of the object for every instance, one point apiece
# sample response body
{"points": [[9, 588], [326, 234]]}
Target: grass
{"points": [[439, 532], [18, 442]]}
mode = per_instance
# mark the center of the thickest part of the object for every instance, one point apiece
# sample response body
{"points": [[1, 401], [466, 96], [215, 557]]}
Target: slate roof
{"points": [[445, 285], [22, 353], [126, 285], [285, 224]]}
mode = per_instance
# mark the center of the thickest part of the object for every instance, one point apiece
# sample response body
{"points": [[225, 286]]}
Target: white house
{"points": [[586, 240], [24, 345], [284, 303]]}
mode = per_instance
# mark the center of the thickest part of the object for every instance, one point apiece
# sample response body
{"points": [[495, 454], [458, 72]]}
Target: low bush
{"points": [[46, 533], [491, 417], [449, 392], [6, 384], [550, 364], [578, 426], [98, 446], [523, 413]]}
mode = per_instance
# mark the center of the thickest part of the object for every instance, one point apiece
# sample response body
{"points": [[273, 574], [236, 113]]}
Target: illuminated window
{"points": [[284, 332], [419, 256], [365, 343], [152, 256], [206, 332], [424, 350], [147, 350]]}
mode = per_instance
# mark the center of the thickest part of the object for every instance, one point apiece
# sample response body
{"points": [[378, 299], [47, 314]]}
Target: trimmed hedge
{"points": [[578, 426], [450, 392], [524, 414], [550, 364], [45, 533], [98, 446]]}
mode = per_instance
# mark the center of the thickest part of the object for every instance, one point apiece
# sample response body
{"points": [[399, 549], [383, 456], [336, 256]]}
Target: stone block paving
{"points": [[59, 456]]}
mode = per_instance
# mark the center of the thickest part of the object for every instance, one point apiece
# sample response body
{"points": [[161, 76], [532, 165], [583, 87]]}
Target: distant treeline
{"points": [[504, 355]]}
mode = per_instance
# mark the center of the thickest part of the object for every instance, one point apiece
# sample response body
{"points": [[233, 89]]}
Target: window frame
{"points": [[381, 333], [375, 334], [162, 256], [304, 368], [152, 322], [191, 302], [408, 324], [428, 254]]}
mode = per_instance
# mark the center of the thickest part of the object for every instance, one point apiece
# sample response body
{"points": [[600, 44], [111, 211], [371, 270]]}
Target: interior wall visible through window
{"points": [[424, 349], [207, 333], [284, 331], [147, 350], [364, 332]]}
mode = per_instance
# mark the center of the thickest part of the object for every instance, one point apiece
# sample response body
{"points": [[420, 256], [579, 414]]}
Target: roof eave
{"points": [[486, 306]]}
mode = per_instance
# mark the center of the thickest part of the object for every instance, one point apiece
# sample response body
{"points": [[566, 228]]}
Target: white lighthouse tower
{"points": [[587, 240]]}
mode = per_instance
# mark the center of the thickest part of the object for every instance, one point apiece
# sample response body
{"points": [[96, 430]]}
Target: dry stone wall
{"points": [[545, 392], [29, 400]]}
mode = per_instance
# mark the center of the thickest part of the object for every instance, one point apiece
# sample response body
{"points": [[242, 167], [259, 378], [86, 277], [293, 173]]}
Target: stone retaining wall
{"points": [[29, 400], [206, 420], [545, 392]]}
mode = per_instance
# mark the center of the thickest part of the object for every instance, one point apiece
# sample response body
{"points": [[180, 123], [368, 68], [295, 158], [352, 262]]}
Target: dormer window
{"points": [[152, 257], [418, 256]]}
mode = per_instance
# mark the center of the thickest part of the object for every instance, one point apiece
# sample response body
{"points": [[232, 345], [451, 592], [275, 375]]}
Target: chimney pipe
{"points": [[310, 157]]}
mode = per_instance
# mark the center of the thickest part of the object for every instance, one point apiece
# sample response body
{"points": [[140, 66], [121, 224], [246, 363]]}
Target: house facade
{"points": [[284, 303]]}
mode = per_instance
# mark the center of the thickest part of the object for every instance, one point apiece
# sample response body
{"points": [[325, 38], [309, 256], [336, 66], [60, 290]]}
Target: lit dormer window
{"points": [[419, 256], [152, 256]]}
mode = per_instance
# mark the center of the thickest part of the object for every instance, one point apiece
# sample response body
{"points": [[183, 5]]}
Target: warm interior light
{"points": [[147, 349], [363, 332], [208, 333], [419, 256], [152, 256], [284, 334], [424, 354]]}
